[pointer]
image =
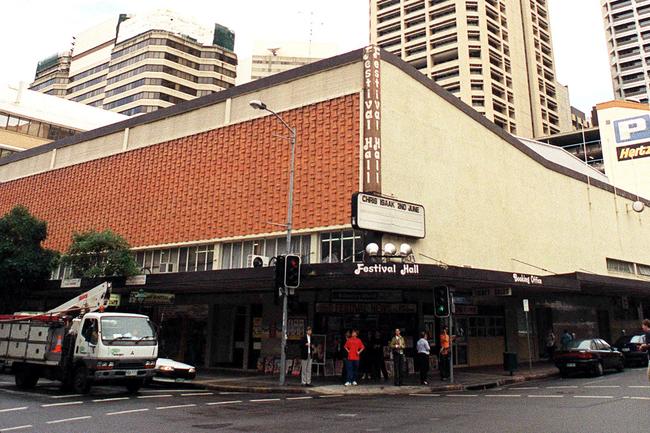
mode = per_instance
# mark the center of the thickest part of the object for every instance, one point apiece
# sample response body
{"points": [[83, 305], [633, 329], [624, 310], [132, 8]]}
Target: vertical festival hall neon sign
{"points": [[371, 120]]}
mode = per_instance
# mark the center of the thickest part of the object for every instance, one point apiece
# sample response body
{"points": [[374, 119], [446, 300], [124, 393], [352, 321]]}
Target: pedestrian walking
{"points": [[443, 359], [550, 345], [566, 339], [353, 347], [306, 352], [424, 350], [378, 362], [645, 325], [397, 345]]}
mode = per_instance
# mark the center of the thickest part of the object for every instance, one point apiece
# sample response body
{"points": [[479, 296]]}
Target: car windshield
{"points": [[127, 330], [638, 339], [580, 344]]}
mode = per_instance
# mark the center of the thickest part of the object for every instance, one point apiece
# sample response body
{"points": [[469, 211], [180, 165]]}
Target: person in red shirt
{"points": [[353, 347]]}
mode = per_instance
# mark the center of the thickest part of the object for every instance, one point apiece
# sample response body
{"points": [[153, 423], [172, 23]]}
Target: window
{"points": [[620, 266], [239, 254], [341, 246], [643, 270], [486, 326], [185, 259]]}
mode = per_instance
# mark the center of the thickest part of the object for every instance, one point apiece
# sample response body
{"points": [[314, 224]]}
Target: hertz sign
{"points": [[636, 132]]}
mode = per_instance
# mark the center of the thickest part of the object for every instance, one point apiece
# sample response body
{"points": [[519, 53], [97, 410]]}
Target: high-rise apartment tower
{"points": [[137, 64], [627, 29], [495, 55]]}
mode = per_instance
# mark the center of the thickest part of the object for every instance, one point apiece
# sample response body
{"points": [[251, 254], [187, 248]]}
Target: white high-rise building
{"points": [[495, 55], [627, 29], [138, 63]]}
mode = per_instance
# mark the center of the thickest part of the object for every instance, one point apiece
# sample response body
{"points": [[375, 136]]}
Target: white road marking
{"points": [[545, 396], [524, 387], [602, 386], [263, 400], [639, 398], [348, 415], [196, 393], [331, 396], [153, 391], [13, 409], [155, 396], [100, 400], [65, 396], [77, 418], [562, 387], [594, 396], [5, 383], [504, 395], [299, 398], [231, 392], [20, 427], [424, 395], [462, 395], [122, 412], [639, 386], [66, 403], [215, 403], [178, 406]]}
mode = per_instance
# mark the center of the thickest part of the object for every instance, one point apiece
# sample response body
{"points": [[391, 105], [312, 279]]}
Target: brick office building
{"points": [[199, 188]]}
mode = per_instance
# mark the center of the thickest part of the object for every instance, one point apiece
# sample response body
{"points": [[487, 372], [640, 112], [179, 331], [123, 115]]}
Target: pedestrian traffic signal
{"points": [[279, 278], [292, 271], [441, 301]]}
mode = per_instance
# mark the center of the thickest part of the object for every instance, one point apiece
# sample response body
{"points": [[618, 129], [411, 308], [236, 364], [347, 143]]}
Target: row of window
{"points": [[143, 95], [173, 44], [151, 82], [50, 82], [87, 84], [33, 127], [624, 267], [89, 72]]}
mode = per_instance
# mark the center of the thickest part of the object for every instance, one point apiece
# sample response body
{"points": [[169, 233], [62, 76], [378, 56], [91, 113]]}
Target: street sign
{"points": [[526, 308]]}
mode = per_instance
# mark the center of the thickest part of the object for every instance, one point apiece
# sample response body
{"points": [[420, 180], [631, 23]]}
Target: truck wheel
{"points": [[26, 378], [80, 381], [133, 386]]}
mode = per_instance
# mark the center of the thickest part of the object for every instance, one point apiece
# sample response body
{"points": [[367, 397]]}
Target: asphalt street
{"points": [[617, 402]]}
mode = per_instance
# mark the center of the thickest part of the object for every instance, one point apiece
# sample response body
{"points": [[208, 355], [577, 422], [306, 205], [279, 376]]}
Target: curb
{"points": [[260, 389]]}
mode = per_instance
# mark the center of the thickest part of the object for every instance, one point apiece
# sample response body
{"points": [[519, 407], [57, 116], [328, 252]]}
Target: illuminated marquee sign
{"points": [[387, 215]]}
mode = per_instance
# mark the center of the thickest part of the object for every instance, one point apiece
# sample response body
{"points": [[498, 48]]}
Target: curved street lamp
{"points": [[259, 105]]}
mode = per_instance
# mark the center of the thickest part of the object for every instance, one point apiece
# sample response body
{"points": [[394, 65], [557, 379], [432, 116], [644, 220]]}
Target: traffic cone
{"points": [[57, 346]]}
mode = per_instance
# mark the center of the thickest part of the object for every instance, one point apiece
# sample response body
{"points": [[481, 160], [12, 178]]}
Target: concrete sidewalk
{"points": [[465, 379]]}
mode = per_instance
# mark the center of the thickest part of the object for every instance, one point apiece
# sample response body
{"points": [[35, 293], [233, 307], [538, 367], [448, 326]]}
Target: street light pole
{"points": [[259, 105]]}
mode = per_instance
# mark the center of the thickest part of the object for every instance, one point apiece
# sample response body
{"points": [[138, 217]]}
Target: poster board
{"points": [[319, 353]]}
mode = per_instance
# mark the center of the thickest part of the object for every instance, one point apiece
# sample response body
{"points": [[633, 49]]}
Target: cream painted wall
{"points": [[488, 203]]}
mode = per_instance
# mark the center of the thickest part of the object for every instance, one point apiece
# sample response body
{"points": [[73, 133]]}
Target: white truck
{"points": [[80, 345]]}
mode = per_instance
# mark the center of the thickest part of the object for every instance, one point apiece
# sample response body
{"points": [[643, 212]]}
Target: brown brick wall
{"points": [[225, 182]]}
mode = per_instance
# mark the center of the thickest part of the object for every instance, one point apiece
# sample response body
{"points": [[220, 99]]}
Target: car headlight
{"points": [[166, 368], [192, 370]]}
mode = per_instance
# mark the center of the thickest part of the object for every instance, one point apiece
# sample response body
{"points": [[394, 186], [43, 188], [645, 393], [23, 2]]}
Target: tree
{"points": [[24, 263], [100, 254]]}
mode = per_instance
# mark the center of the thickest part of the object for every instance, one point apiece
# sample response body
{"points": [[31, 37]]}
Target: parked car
{"points": [[630, 346], [170, 370], [591, 356]]}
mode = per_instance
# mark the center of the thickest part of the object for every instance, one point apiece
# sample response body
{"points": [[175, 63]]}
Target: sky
{"points": [[31, 30]]}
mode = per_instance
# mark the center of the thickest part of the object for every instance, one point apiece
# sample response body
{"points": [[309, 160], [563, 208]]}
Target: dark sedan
{"points": [[631, 347], [591, 356]]}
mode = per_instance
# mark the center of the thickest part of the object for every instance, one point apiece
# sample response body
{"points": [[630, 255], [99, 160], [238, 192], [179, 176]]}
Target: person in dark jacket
{"points": [[306, 351]]}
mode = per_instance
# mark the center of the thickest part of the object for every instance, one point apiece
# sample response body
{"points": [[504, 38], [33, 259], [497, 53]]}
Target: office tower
{"points": [[627, 29], [495, 55], [138, 63]]}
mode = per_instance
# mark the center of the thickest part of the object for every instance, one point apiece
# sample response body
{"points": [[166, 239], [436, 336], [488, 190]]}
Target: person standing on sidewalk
{"points": [[566, 339], [306, 350], [645, 325], [378, 362], [397, 345], [424, 350], [443, 359], [550, 345], [353, 347]]}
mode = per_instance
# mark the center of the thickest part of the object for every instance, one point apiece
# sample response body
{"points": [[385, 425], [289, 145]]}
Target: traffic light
{"points": [[441, 301], [279, 277], [292, 271]]}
